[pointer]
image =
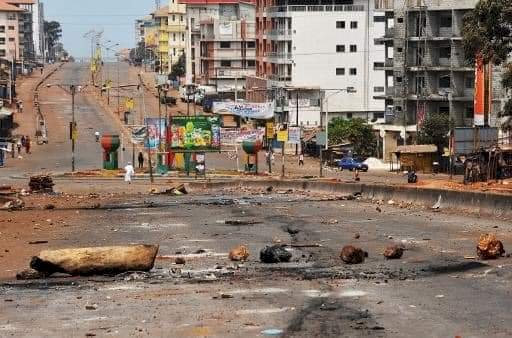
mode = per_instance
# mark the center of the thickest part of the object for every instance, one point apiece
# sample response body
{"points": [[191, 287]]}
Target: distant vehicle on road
{"points": [[201, 92], [351, 164]]}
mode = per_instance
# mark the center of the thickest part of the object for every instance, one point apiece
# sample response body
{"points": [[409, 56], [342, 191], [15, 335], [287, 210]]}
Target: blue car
{"points": [[351, 164]]}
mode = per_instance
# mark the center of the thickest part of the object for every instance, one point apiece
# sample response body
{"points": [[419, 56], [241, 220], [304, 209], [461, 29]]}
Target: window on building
{"points": [[379, 18], [11, 28], [378, 65], [445, 52], [2, 29], [11, 16], [174, 52], [11, 39], [173, 18], [353, 24], [444, 81], [469, 82], [251, 44], [340, 48], [2, 41], [181, 18], [349, 116], [445, 21], [399, 49], [2, 52], [444, 110], [399, 79], [469, 112], [225, 63], [353, 71], [251, 63], [378, 89], [400, 20], [182, 36], [340, 24], [378, 115], [225, 44], [353, 48], [173, 36], [340, 71]]}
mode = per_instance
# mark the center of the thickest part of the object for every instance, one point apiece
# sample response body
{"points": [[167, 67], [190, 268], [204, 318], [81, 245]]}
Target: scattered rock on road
{"points": [[489, 247], [352, 255], [49, 207], [41, 183], [180, 260], [30, 274], [393, 252], [275, 254], [14, 204], [240, 253]]}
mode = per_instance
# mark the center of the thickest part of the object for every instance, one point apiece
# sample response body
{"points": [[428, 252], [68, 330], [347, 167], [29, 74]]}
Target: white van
{"points": [[187, 93]]}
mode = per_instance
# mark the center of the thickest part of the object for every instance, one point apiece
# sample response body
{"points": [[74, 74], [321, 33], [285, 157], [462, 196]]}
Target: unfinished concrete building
{"points": [[425, 68]]}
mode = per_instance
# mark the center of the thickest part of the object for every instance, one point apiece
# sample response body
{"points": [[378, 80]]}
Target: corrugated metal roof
{"points": [[415, 149]]}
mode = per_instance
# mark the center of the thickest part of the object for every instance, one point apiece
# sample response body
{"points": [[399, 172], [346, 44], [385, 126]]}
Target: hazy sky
{"points": [[115, 17]]}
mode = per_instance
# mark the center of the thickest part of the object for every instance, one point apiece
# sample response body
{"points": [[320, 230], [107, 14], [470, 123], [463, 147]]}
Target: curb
{"points": [[472, 202]]}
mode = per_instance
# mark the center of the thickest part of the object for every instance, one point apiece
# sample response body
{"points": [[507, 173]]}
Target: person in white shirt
{"points": [[129, 172]]}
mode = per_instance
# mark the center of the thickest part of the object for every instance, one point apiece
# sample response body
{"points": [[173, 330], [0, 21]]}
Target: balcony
{"points": [[284, 11], [384, 5], [279, 57], [279, 34], [230, 73]]}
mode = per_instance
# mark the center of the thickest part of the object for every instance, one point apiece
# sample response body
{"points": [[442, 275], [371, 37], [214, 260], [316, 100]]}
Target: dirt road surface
{"points": [[433, 291]]}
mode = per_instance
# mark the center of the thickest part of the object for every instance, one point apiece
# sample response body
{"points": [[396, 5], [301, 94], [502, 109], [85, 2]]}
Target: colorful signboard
{"points": [[260, 111], [270, 130], [199, 133], [282, 135]]}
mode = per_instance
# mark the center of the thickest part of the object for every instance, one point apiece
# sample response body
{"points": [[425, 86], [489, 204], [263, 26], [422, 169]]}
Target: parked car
{"points": [[351, 164]]}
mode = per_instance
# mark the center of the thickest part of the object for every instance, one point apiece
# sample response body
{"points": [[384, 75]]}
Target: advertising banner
{"points": [[261, 111], [270, 130], [155, 133], [282, 135], [232, 136], [294, 135], [479, 103], [199, 133]]}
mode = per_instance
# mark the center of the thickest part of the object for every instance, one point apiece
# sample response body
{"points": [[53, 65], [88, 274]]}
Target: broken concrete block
{"points": [[352, 255]]}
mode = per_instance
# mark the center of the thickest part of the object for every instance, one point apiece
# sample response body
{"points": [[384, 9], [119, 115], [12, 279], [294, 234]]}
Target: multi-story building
{"points": [[177, 31], [26, 34], [9, 48], [221, 43], [139, 31], [317, 51], [161, 18], [38, 29], [425, 67], [150, 30]]}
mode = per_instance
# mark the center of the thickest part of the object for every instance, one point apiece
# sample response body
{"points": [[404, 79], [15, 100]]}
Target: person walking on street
{"points": [[129, 171], [301, 160], [141, 160], [19, 144], [27, 144], [21, 106]]}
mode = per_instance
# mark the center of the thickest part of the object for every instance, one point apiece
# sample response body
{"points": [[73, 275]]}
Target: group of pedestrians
{"points": [[23, 142]]}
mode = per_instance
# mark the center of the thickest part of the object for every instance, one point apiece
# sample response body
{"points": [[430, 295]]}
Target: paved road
{"points": [[56, 106], [432, 292]]}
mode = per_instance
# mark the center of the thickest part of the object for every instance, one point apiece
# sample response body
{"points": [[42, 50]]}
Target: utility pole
{"points": [[297, 118], [73, 127], [147, 132], [119, 87]]}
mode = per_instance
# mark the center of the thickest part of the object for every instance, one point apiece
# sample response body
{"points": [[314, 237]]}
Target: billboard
{"points": [[261, 111], [479, 95], [294, 135], [199, 133], [155, 133], [469, 140], [232, 136]]}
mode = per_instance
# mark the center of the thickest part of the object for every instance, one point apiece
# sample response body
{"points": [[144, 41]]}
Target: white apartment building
{"points": [[328, 48], [221, 43], [38, 28]]}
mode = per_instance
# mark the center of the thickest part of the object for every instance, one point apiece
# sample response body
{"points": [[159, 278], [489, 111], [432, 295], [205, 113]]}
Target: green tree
{"points": [[434, 130], [53, 33], [355, 131], [179, 68], [487, 31]]}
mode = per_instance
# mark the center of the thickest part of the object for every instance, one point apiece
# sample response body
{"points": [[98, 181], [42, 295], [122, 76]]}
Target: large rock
{"points": [[240, 253], [275, 254], [97, 260], [489, 247], [393, 252], [352, 255]]}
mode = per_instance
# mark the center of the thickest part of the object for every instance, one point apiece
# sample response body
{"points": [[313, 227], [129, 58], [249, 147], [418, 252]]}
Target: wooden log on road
{"points": [[96, 260]]}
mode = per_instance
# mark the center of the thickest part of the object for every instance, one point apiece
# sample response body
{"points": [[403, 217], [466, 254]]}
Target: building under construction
{"points": [[426, 71]]}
